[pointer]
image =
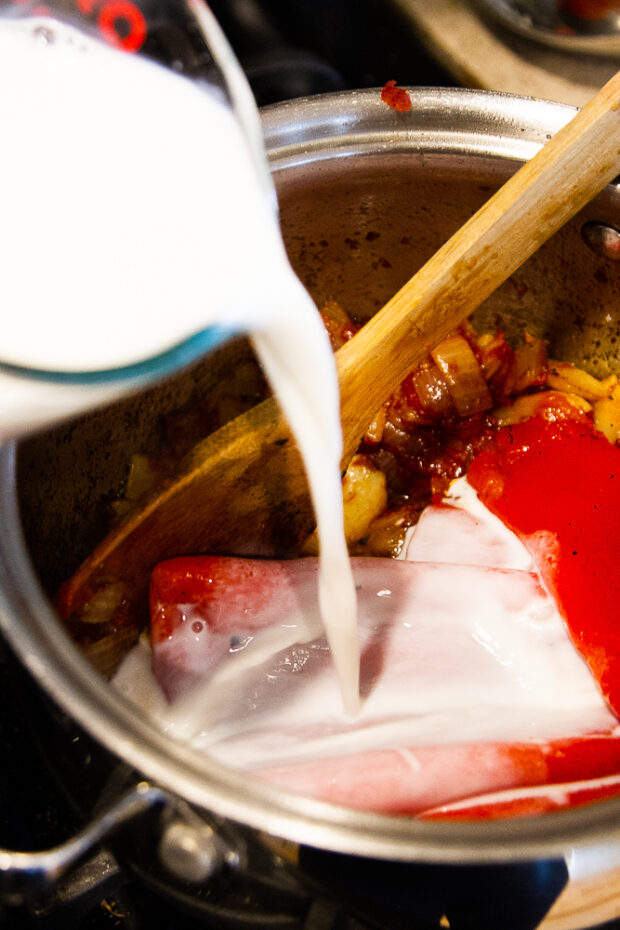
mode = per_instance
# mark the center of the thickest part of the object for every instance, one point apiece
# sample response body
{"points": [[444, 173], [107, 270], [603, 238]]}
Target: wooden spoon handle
{"points": [[543, 195], [249, 474]]}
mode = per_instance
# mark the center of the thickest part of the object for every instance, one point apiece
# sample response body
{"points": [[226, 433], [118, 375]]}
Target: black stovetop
{"points": [[291, 48]]}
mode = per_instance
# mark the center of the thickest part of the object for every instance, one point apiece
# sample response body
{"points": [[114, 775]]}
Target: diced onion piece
{"points": [[492, 359], [576, 401], [140, 479], [106, 654], [611, 385], [404, 413], [530, 364], [528, 405], [607, 418], [455, 359], [563, 376], [364, 497], [333, 312], [432, 389], [374, 433], [497, 362], [103, 605], [338, 324], [387, 533], [522, 409]]}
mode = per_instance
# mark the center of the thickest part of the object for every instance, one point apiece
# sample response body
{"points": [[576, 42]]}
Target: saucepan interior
{"points": [[366, 196]]}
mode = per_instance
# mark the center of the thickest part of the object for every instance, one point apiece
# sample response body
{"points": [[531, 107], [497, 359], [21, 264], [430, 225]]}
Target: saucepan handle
{"points": [[188, 847]]}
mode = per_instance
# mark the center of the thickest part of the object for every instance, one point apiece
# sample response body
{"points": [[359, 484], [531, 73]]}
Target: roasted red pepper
{"points": [[556, 482]]}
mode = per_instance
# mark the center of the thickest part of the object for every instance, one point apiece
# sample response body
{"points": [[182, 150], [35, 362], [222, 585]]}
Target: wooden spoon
{"points": [[243, 489]]}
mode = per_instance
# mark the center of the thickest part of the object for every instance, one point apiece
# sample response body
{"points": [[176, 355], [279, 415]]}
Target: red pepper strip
{"points": [[528, 802], [228, 596], [396, 97], [556, 483], [246, 587], [412, 781]]}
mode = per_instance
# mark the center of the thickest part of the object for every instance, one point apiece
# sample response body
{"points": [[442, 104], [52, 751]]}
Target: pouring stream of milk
{"points": [[132, 219]]}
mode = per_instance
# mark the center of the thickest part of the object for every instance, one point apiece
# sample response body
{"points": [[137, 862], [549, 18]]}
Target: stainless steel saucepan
{"points": [[366, 195]]}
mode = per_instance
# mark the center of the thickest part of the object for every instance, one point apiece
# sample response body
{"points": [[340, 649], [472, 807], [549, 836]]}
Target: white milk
{"points": [[132, 218], [470, 649]]}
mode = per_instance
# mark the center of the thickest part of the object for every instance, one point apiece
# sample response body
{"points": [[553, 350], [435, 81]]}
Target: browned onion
{"points": [[456, 360]]}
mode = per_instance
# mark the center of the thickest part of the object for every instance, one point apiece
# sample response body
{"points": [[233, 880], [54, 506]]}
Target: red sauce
{"points": [[396, 97], [555, 481]]}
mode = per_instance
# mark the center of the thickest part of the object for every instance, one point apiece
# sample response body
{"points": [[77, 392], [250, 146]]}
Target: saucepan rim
{"points": [[334, 125]]}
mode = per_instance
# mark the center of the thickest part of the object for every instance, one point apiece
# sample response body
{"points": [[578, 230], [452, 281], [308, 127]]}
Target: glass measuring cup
{"points": [[185, 38]]}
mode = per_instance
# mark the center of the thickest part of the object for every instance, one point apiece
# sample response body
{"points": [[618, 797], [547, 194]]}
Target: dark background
{"points": [[290, 48]]}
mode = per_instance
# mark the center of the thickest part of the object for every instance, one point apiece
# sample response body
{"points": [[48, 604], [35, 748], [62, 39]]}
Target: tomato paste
{"points": [[396, 97]]}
